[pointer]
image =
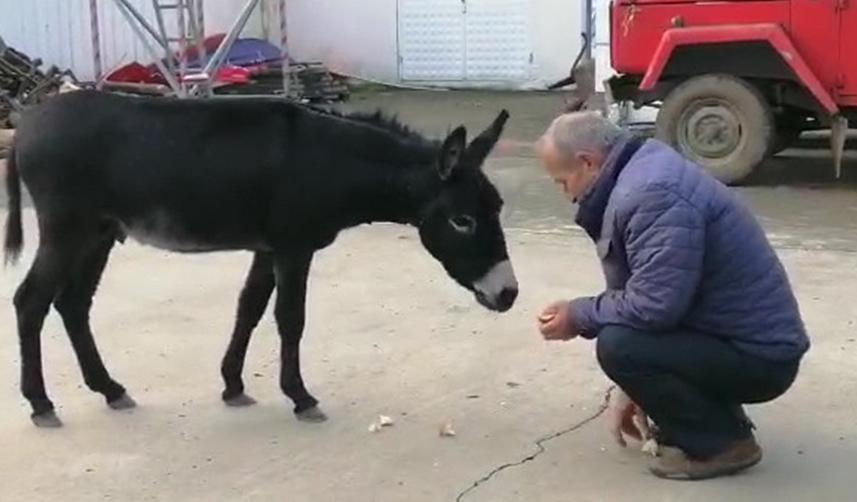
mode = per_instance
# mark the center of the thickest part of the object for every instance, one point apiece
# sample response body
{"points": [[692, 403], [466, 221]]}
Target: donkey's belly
{"points": [[162, 231], [170, 241]]}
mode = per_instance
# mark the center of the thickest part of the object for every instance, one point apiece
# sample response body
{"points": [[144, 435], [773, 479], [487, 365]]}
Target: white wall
{"points": [[358, 37], [56, 31], [355, 37], [555, 35]]}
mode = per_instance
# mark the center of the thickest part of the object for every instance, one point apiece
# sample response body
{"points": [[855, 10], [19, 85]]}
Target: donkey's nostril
{"points": [[507, 298]]}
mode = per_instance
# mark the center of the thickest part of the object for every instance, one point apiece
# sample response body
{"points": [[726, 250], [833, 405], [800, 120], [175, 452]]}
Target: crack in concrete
{"points": [[540, 445]]}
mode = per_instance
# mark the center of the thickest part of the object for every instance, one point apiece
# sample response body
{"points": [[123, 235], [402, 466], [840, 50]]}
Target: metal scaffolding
{"points": [[184, 81]]}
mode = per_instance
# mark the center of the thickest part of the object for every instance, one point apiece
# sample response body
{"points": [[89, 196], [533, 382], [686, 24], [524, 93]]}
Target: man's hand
{"points": [[555, 323], [622, 413]]}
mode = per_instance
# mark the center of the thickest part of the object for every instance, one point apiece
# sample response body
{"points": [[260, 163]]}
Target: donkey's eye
{"points": [[463, 224]]}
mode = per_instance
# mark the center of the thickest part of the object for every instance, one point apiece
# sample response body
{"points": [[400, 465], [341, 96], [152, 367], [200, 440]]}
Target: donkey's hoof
{"points": [[240, 401], [123, 403], [312, 415], [47, 420]]}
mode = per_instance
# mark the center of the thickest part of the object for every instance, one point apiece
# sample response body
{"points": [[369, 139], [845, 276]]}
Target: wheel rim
{"points": [[710, 129]]}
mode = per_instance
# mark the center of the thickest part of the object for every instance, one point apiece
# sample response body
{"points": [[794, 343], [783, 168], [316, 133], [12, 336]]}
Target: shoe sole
{"points": [[725, 471]]}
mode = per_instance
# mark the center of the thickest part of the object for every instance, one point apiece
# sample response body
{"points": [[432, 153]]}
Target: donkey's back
{"points": [[185, 175], [156, 142]]}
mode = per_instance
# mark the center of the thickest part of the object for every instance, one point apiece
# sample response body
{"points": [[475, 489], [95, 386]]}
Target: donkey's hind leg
{"points": [[73, 304], [251, 306], [33, 298]]}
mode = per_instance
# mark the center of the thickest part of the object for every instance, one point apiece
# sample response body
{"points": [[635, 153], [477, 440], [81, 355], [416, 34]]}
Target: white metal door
{"points": [[457, 40], [431, 39], [497, 46]]}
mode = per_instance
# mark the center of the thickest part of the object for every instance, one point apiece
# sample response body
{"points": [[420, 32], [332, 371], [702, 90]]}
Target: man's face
{"points": [[575, 175]]}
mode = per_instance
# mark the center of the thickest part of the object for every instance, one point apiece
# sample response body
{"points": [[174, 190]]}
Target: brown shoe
{"points": [[672, 463]]}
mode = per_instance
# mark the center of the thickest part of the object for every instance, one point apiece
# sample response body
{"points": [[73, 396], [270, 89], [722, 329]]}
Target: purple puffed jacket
{"points": [[679, 250]]}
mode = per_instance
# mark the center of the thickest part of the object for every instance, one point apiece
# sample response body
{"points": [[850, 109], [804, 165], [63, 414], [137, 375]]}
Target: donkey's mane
{"points": [[390, 123], [380, 120]]}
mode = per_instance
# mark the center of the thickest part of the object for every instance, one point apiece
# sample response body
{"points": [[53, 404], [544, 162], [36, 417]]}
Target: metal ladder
{"points": [[182, 81], [190, 31]]}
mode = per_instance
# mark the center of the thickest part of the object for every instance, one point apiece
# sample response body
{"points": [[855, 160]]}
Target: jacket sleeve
{"points": [[664, 237]]}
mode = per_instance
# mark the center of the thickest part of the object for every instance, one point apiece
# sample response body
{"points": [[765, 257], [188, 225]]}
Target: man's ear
{"points": [[587, 159]]}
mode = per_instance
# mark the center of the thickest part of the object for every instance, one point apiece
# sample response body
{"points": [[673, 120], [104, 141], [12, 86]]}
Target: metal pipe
{"points": [[195, 12], [196, 31], [171, 79], [200, 11], [283, 49], [589, 28], [182, 39], [96, 39], [159, 17], [215, 61], [142, 20]]}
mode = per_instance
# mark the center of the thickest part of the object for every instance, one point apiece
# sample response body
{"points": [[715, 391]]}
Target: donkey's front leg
{"points": [[251, 306], [291, 272]]}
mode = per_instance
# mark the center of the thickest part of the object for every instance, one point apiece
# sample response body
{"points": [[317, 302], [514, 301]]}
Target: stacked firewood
{"points": [[23, 83], [6, 134]]}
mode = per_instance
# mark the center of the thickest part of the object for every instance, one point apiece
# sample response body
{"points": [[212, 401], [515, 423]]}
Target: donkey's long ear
{"points": [[451, 152], [484, 143]]}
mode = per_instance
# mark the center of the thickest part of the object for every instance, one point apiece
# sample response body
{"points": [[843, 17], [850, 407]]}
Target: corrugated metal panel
{"points": [[431, 39], [456, 40], [58, 31], [497, 45], [49, 29]]}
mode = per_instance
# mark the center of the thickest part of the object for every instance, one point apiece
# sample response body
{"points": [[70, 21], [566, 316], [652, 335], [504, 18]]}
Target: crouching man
{"points": [[698, 316]]}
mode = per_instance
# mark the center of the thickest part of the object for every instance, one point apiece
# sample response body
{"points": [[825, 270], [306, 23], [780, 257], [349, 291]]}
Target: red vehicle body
{"points": [[737, 80]]}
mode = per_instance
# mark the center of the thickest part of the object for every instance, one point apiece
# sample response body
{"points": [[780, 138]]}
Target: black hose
{"points": [[570, 78]]}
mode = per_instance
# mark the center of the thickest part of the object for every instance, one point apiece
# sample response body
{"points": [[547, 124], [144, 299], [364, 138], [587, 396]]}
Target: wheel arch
{"points": [[767, 55]]}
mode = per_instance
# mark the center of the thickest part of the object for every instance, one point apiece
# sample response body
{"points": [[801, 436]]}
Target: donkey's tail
{"points": [[14, 229]]}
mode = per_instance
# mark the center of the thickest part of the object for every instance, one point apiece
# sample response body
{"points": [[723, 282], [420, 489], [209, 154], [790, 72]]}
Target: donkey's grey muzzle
{"points": [[498, 289]]}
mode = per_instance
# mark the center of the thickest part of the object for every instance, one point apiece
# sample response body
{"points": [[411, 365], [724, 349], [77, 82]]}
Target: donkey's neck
{"points": [[387, 193], [389, 173]]}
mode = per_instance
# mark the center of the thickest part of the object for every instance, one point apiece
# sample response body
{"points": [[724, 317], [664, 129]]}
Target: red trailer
{"points": [[737, 80]]}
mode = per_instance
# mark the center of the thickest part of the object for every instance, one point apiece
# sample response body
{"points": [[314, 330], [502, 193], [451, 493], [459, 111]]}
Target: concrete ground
{"points": [[388, 333]]}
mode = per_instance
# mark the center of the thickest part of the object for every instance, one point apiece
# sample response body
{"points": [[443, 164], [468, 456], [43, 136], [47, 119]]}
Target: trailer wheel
{"points": [[719, 121]]}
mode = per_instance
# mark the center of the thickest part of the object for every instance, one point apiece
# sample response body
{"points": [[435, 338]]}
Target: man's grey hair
{"points": [[588, 131]]}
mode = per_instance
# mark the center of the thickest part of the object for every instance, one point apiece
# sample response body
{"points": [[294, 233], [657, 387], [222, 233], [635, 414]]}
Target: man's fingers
{"points": [[548, 314], [551, 335], [616, 416], [547, 317], [550, 328], [552, 324], [545, 331], [629, 427], [632, 431], [641, 421], [617, 436]]}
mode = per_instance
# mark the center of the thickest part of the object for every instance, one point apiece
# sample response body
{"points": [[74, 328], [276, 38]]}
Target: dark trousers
{"points": [[691, 385]]}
